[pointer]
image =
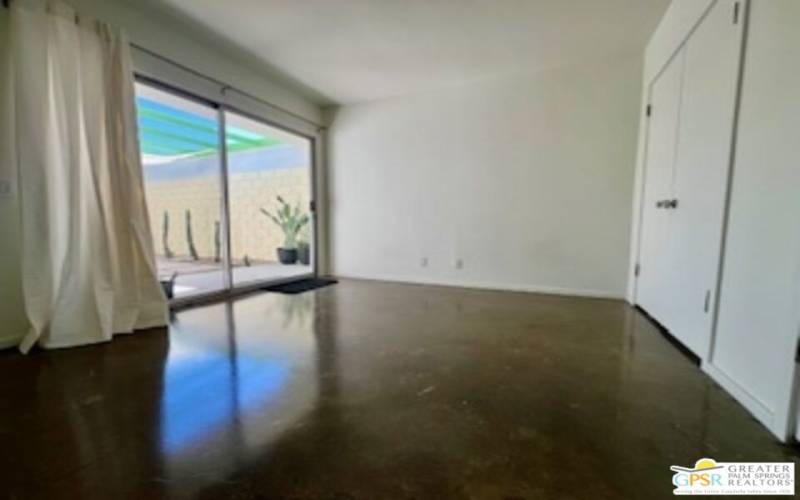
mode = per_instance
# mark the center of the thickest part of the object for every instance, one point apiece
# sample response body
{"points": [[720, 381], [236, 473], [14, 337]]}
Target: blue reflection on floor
{"points": [[204, 392]]}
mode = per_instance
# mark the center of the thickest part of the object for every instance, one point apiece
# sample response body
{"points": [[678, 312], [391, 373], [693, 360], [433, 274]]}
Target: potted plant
{"points": [[303, 248], [291, 221]]}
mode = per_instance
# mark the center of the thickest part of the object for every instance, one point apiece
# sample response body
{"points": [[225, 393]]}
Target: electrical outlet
{"points": [[459, 264], [423, 262]]}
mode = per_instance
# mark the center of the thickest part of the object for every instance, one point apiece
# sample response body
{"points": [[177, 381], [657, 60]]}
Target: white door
{"points": [[665, 95], [702, 165]]}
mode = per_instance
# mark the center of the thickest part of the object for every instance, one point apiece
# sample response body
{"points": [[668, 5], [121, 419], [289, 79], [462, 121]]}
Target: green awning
{"points": [[170, 132]]}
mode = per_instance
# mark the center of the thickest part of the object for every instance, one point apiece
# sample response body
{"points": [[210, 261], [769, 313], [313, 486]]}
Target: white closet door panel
{"points": [[701, 174], [759, 308], [661, 140]]}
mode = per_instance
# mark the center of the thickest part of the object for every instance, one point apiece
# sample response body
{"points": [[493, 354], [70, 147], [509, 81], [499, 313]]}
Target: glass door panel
{"points": [[179, 142], [269, 196]]}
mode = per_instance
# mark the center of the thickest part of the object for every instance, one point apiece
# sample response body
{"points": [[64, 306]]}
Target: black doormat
{"points": [[301, 286]]}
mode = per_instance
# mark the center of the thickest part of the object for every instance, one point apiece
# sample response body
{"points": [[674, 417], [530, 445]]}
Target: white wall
{"points": [[171, 38], [527, 179], [759, 310], [13, 323]]}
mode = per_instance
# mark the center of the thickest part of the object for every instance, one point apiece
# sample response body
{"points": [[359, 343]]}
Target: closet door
{"points": [[702, 165], [665, 93]]}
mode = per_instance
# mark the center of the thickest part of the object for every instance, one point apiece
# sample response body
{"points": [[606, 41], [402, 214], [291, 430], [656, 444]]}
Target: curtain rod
{"points": [[225, 86]]}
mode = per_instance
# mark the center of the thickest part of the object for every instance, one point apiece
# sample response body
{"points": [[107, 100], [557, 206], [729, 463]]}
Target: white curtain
{"points": [[87, 254]]}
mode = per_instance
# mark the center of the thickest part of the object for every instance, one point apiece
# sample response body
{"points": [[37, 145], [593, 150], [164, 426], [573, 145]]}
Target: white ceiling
{"points": [[346, 51]]}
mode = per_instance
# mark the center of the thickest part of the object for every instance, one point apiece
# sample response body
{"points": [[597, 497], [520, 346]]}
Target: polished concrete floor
{"points": [[368, 390]]}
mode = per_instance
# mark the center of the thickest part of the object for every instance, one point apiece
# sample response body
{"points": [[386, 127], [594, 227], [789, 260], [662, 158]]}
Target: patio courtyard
{"points": [[205, 275]]}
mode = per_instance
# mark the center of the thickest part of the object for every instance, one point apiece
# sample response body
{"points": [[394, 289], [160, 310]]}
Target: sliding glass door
{"points": [[222, 217], [179, 140], [269, 185]]}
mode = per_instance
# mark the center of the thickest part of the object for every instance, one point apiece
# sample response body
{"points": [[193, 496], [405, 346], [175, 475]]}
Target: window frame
{"points": [[230, 289]]}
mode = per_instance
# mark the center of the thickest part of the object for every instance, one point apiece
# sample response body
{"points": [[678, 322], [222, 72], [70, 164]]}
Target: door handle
{"points": [[667, 203]]}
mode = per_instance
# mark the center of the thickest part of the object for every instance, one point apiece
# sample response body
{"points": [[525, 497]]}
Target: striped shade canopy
{"points": [[165, 131]]}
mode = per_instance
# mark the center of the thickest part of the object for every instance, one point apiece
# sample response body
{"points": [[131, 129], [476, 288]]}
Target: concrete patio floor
{"points": [[205, 275]]}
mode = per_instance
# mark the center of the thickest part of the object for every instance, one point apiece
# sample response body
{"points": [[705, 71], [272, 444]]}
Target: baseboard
{"points": [[483, 285], [755, 407], [10, 341]]}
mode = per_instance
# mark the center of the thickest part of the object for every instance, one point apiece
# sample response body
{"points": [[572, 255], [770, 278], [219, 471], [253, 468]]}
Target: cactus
{"points": [[217, 242], [190, 237], [291, 221], [165, 237]]}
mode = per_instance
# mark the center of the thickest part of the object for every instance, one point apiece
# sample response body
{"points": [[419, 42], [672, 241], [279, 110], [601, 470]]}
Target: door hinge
{"points": [[708, 301], [312, 206], [736, 13], [636, 270], [649, 110]]}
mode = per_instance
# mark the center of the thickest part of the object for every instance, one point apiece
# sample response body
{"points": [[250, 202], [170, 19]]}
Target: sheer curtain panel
{"points": [[87, 256]]}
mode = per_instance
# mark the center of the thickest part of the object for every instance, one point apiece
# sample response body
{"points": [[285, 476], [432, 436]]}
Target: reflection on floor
{"points": [[246, 383], [369, 390]]}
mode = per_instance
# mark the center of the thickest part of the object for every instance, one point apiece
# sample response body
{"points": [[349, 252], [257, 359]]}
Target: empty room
{"points": [[385, 249]]}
